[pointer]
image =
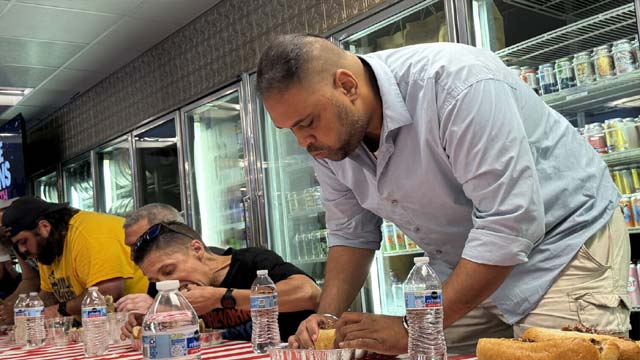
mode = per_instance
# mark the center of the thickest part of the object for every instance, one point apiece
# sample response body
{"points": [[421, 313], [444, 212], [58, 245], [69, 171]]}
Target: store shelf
{"points": [[570, 10], [297, 167], [309, 261], [404, 252], [622, 157], [238, 226], [634, 230], [306, 213], [598, 95], [583, 35]]}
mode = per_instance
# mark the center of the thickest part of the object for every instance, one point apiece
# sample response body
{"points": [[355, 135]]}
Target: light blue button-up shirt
{"points": [[472, 164]]}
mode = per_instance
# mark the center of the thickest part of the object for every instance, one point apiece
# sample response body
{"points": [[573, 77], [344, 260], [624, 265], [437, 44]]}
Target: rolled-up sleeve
{"points": [[483, 135], [349, 224]]}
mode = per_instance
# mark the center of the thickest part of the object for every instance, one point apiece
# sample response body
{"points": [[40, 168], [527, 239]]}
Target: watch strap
{"points": [[62, 308]]}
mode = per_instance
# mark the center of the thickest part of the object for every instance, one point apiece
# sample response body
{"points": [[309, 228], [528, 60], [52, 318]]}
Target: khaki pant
{"points": [[591, 290]]}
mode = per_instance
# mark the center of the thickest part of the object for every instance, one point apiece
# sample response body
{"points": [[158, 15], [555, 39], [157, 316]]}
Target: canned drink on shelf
{"points": [[547, 78], [389, 236], [614, 135], [528, 75], [630, 133], [603, 62], [624, 57], [292, 201], [635, 176], [400, 239], [636, 48], [583, 68], [635, 208], [594, 133], [626, 177], [516, 69], [632, 286], [411, 245], [615, 176], [627, 211], [564, 74]]}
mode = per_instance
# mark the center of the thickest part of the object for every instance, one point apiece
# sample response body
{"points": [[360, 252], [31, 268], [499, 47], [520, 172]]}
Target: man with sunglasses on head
{"points": [[217, 285], [75, 250]]}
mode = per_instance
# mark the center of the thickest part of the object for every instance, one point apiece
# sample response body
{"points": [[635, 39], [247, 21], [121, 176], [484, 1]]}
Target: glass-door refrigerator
{"points": [[46, 187], [77, 177], [157, 172], [114, 177], [408, 23], [217, 176]]}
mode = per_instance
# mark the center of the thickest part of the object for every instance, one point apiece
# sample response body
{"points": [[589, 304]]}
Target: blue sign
{"points": [[12, 174]]}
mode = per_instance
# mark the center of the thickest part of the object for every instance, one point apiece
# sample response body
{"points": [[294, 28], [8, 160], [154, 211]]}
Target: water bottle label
{"points": [[33, 312], [263, 301], [94, 312], [166, 346], [423, 299], [21, 312]]}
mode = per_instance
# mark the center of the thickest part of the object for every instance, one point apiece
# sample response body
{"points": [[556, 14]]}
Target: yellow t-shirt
{"points": [[94, 251]]}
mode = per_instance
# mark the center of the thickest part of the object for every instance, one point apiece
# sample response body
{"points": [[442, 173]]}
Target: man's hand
{"points": [[51, 312], [307, 334], [6, 314], [203, 298], [378, 333], [138, 303], [134, 319]]}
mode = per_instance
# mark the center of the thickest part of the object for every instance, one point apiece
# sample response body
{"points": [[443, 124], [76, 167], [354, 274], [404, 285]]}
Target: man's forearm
{"points": [[48, 298], [468, 286], [347, 269]]}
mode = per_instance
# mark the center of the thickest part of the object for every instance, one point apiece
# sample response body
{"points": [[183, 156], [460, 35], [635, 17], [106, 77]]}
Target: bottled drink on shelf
{"points": [[423, 301], [397, 295], [399, 238], [35, 333], [389, 236], [94, 323], [264, 313], [20, 320], [170, 327]]}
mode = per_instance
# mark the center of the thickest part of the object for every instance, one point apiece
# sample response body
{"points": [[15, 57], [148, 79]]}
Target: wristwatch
{"points": [[62, 309], [228, 301]]}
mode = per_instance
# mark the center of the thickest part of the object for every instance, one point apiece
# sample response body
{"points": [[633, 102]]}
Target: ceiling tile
{"points": [[177, 12], [36, 52], [103, 59], [23, 76], [73, 80], [136, 34], [116, 7], [46, 97], [3, 4], [43, 23]]}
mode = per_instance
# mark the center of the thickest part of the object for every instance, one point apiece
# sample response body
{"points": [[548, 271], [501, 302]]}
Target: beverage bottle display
{"points": [[94, 323], [264, 313], [423, 301], [35, 334], [170, 327], [400, 238], [20, 319], [389, 236], [396, 290]]}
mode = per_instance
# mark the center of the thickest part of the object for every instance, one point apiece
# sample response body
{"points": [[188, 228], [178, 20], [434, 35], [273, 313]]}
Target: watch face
{"points": [[228, 301]]}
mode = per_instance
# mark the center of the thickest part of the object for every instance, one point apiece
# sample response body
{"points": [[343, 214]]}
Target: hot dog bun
{"points": [[558, 349], [629, 350]]}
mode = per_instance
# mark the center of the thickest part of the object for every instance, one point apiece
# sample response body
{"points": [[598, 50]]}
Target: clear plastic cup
{"points": [[58, 330], [116, 322]]}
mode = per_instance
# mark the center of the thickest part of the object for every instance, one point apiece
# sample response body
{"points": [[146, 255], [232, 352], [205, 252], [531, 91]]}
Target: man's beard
{"points": [[353, 128], [47, 252]]}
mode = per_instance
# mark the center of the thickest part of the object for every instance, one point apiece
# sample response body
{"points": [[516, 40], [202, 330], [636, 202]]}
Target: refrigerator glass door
{"points": [[115, 193], [425, 22], [157, 165], [78, 185], [46, 187], [218, 186]]}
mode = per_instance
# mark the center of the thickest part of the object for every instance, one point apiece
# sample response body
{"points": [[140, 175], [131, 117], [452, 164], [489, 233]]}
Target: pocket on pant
{"points": [[604, 312]]}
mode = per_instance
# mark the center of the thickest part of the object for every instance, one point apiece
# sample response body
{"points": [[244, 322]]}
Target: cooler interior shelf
{"points": [[622, 157], [582, 35], [570, 10]]}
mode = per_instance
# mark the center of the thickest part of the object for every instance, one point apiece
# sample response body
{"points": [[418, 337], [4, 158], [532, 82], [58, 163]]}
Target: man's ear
{"points": [[197, 247], [347, 83], [44, 228]]}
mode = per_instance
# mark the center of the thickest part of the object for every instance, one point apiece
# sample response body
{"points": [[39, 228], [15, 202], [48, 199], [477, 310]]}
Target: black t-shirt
{"points": [[241, 274]]}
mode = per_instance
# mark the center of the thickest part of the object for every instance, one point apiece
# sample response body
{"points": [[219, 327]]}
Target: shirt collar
{"points": [[394, 110]]}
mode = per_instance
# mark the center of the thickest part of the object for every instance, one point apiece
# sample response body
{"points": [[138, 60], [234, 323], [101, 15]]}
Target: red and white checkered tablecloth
{"points": [[228, 350]]}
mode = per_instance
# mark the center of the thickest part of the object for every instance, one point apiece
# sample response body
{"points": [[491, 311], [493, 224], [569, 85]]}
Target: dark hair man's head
{"points": [[323, 94], [138, 221]]}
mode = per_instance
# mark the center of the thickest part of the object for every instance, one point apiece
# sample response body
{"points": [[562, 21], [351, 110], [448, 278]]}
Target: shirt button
{"points": [[416, 229], [394, 202]]}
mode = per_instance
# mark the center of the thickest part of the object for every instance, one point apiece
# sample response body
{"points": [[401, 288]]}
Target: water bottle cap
{"points": [[168, 285], [262, 272], [421, 260], [93, 288], [33, 293]]}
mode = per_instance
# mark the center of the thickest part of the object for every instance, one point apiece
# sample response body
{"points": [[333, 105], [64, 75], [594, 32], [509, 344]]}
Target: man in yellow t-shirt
{"points": [[75, 250]]}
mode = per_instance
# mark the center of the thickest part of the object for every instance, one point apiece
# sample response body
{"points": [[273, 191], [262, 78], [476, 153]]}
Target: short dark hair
{"points": [[178, 236], [283, 62]]}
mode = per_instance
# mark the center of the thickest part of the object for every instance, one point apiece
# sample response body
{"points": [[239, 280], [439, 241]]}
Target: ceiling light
{"points": [[12, 96]]}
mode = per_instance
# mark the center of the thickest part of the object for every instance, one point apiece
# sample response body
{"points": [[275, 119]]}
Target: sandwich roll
{"points": [[558, 349]]}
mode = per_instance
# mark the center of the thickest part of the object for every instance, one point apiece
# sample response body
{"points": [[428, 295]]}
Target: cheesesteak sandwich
{"points": [[557, 349]]}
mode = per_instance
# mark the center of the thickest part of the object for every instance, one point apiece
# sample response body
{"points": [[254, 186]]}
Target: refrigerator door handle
{"points": [[246, 201]]}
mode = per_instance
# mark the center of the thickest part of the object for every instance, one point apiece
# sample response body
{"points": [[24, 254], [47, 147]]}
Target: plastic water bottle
{"points": [[170, 327], [20, 319], [94, 323], [265, 333], [423, 301], [35, 320]]}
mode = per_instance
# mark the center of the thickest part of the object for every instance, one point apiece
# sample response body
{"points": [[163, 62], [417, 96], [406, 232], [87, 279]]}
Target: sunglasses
{"points": [[145, 240]]}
